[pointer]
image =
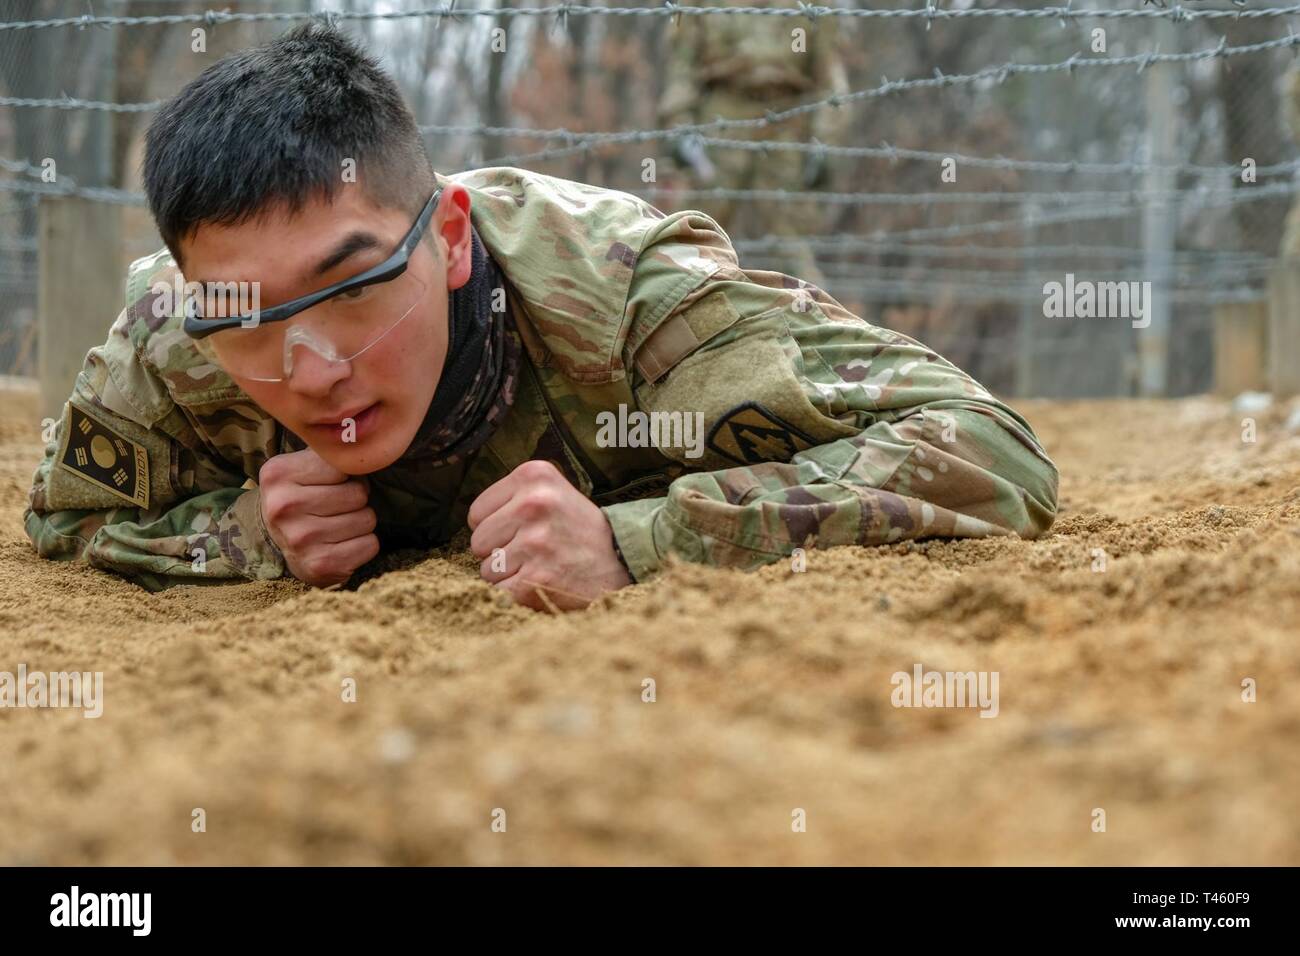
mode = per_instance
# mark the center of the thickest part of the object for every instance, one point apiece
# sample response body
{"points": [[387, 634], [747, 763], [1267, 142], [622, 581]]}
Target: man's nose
{"points": [[314, 375]]}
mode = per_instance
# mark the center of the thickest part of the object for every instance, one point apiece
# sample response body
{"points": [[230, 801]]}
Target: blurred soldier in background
{"points": [[1291, 97], [739, 67]]}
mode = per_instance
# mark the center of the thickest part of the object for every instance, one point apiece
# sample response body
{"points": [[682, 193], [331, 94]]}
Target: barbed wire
{"points": [[1075, 215], [884, 151], [20, 166], [65, 186], [1193, 277], [851, 242], [1184, 275], [1190, 199], [66, 102], [838, 242], [105, 194], [1198, 273], [754, 249], [942, 342], [1063, 197], [999, 74], [889, 290], [896, 153], [1130, 197], [1194, 199], [811, 12]]}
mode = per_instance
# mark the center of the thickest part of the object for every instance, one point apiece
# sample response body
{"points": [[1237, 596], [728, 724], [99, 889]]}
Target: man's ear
{"points": [[452, 225]]}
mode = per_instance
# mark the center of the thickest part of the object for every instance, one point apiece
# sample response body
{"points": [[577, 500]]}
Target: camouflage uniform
{"points": [[822, 429], [739, 67]]}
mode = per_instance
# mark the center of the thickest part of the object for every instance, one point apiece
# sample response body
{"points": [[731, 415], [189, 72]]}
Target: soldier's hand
{"points": [[317, 516], [543, 541]]}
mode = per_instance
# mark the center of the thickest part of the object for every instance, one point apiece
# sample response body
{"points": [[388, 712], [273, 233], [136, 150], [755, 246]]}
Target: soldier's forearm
{"points": [[949, 473]]}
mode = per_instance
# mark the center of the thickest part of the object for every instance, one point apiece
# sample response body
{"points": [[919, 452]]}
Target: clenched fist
{"points": [[317, 516], [543, 541]]}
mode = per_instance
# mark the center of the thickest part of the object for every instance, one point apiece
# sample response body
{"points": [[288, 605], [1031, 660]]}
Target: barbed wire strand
{"points": [[1186, 275], [999, 74], [896, 153], [1128, 197], [1060, 197], [1074, 215], [891, 290], [930, 13], [851, 242]]}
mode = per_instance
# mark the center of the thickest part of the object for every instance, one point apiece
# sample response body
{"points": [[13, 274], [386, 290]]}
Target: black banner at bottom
{"points": [[333, 906]]}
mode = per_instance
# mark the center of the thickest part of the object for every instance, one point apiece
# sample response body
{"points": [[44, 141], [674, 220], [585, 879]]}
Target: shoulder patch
{"points": [[750, 433], [93, 451]]}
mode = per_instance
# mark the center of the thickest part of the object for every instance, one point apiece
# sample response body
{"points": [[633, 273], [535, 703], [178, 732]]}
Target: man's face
{"points": [[386, 390]]}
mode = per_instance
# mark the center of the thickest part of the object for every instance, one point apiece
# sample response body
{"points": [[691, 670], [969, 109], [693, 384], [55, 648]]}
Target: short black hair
{"points": [[272, 126]]}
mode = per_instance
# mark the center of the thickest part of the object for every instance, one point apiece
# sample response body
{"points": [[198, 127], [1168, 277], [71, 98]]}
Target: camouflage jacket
{"points": [[725, 416], [740, 67]]}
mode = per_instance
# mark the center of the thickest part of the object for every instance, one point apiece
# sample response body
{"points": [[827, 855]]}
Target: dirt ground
{"points": [[1120, 690]]}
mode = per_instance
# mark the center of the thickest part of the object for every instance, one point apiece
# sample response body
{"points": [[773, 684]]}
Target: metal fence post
{"points": [[81, 289]]}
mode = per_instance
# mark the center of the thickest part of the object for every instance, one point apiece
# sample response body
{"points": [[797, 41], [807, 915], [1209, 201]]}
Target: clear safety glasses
{"points": [[339, 322]]}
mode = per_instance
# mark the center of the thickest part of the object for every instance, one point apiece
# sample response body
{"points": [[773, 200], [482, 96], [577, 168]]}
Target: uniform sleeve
{"points": [[132, 484], [811, 429], [209, 537]]}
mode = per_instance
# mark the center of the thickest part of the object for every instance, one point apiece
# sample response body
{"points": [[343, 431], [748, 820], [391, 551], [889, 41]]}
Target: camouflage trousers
{"points": [[791, 221]]}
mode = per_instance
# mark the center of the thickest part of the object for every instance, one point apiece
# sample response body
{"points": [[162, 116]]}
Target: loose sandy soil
{"points": [[1119, 690]]}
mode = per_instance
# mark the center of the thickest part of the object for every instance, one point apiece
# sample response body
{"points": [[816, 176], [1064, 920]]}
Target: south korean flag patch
{"points": [[93, 451]]}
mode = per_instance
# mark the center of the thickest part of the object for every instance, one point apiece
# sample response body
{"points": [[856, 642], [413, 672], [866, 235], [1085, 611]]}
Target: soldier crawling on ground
{"points": [[436, 352]]}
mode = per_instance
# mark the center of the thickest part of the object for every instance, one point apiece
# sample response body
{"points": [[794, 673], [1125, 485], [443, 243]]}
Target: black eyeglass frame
{"points": [[389, 269]]}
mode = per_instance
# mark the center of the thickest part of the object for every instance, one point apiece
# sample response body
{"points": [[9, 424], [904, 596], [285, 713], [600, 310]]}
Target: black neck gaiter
{"points": [[480, 373]]}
